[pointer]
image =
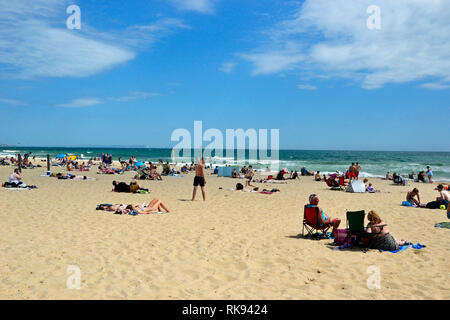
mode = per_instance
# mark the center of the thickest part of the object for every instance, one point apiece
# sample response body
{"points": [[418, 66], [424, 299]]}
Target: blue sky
{"points": [[137, 70]]}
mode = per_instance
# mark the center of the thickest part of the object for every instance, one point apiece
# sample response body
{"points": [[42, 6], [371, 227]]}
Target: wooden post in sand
{"points": [[48, 164], [19, 162]]}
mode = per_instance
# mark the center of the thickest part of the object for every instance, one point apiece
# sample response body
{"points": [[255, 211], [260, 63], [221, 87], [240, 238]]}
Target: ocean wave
{"points": [[11, 151]]}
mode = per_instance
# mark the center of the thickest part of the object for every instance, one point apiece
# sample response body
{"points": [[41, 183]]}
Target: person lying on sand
{"points": [[269, 181], [323, 218], [123, 187], [381, 238], [154, 206], [63, 176], [112, 208], [413, 197]]}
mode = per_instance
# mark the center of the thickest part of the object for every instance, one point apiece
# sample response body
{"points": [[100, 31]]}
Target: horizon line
{"points": [[169, 148]]}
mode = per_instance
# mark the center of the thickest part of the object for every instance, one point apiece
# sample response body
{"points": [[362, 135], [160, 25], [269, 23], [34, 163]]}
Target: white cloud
{"points": [[134, 96], [227, 67], [89, 101], [202, 6], [81, 103], [435, 86], [306, 87], [32, 46], [332, 37], [274, 61], [12, 102]]}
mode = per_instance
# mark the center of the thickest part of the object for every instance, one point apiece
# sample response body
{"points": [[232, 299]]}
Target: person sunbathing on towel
{"points": [[323, 218], [133, 187], [15, 180], [154, 206], [63, 176]]}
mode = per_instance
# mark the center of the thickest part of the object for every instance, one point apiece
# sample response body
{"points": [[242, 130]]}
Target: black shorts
{"points": [[198, 180]]}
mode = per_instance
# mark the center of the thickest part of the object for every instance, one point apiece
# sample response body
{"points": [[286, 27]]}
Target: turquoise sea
{"points": [[374, 163]]}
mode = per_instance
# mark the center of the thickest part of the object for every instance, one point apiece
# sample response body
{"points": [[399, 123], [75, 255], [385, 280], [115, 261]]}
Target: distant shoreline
{"points": [[170, 148]]}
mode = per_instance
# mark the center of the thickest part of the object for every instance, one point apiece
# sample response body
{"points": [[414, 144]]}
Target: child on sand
{"points": [[429, 174]]}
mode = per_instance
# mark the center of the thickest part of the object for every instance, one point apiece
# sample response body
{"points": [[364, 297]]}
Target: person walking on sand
{"points": [[249, 176], [199, 179]]}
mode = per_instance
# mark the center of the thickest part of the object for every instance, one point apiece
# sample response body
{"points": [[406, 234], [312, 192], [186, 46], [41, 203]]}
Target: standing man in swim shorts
{"points": [[199, 179], [249, 177], [358, 169], [352, 171]]}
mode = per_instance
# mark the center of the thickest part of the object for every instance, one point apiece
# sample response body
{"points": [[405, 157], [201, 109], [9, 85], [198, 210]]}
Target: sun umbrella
{"points": [[61, 155], [139, 164]]}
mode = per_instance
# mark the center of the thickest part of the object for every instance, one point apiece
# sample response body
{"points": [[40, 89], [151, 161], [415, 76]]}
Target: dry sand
{"points": [[236, 245]]}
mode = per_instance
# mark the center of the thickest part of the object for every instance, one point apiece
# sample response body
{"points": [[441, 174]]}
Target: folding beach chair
{"points": [[312, 223], [143, 175], [355, 227], [355, 223]]}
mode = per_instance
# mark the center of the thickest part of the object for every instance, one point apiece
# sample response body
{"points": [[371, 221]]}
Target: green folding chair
{"points": [[143, 175], [355, 227], [355, 224]]}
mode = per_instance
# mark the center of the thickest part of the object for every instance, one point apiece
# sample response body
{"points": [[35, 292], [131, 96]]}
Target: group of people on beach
{"points": [[443, 199], [248, 173], [24, 162], [376, 230], [16, 181], [353, 171], [421, 176]]}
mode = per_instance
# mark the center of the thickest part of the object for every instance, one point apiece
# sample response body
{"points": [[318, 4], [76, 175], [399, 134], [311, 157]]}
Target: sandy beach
{"points": [[236, 245]]}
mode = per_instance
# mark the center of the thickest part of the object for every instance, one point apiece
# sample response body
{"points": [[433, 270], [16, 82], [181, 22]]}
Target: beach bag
{"points": [[340, 237], [239, 186], [407, 204], [433, 205]]}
